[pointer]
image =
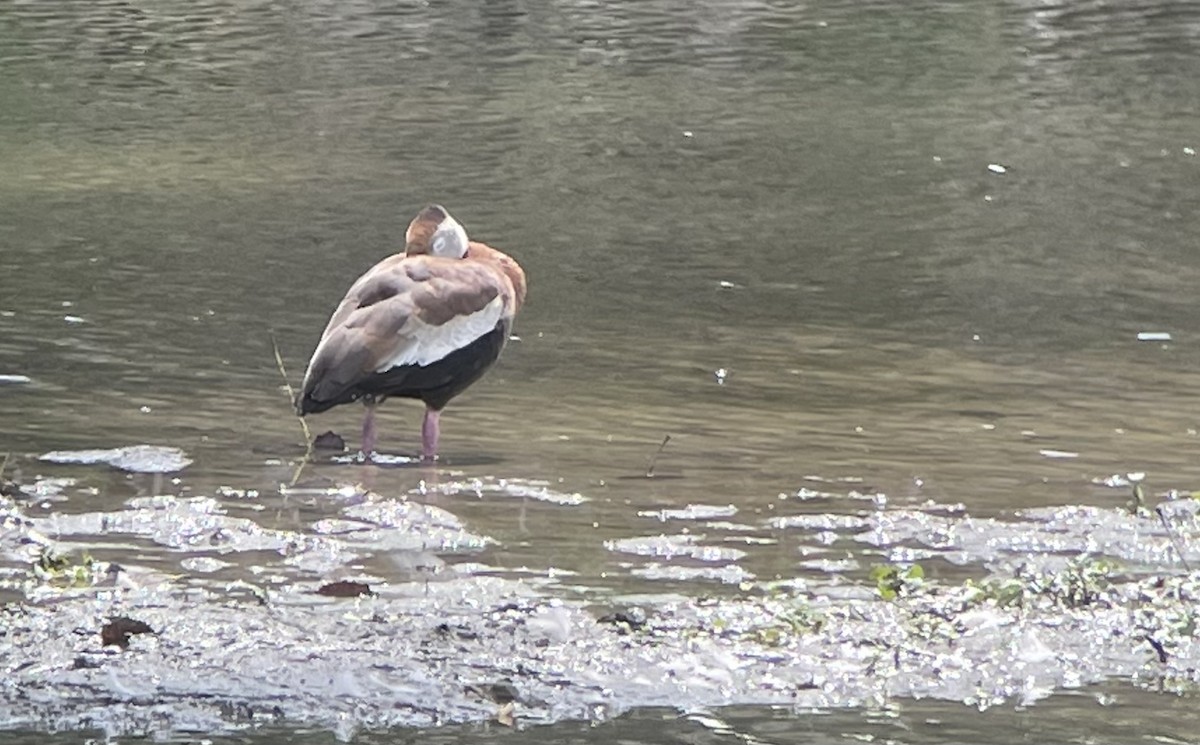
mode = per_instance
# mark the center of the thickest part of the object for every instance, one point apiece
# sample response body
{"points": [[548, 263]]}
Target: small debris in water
{"points": [[329, 440], [345, 589], [1189, 151], [1118, 480], [503, 692], [1058, 454], [726, 285], [81, 662], [73, 319], [457, 631], [625, 621], [118, 630], [997, 168], [1153, 336], [721, 373]]}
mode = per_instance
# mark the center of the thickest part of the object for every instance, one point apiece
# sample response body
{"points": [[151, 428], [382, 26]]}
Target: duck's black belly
{"points": [[437, 383]]}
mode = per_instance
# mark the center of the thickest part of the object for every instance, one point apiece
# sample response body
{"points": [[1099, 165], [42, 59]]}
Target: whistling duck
{"points": [[423, 324]]}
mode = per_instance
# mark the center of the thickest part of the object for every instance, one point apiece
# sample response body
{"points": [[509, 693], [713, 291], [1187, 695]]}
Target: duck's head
{"points": [[434, 232]]}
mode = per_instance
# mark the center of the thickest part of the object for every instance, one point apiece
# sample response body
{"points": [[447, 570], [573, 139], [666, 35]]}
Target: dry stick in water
{"points": [[308, 441], [654, 458], [1174, 538]]}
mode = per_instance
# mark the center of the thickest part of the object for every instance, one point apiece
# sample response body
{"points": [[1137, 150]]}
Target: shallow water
{"points": [[807, 197], [1103, 715]]}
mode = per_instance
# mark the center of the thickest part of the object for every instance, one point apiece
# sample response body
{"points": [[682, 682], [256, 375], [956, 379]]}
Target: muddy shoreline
{"points": [[1071, 596]]}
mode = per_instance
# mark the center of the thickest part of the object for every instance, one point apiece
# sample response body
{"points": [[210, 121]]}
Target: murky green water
{"points": [[806, 196]]}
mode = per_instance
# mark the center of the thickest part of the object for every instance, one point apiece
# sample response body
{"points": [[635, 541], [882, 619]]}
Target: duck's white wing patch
{"points": [[426, 343]]}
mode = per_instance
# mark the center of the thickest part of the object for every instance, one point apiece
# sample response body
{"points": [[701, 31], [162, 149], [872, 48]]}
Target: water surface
{"points": [[807, 196]]}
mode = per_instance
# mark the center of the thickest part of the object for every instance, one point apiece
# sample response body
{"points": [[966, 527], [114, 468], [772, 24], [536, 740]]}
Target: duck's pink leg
{"points": [[429, 435], [368, 433]]}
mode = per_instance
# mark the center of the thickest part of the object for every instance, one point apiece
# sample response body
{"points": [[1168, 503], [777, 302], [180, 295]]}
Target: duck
{"points": [[423, 324]]}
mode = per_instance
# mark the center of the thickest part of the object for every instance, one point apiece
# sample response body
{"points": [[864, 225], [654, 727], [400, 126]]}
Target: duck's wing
{"points": [[405, 311]]}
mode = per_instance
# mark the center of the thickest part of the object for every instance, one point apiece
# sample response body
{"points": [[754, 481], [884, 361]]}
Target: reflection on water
{"points": [[797, 194]]}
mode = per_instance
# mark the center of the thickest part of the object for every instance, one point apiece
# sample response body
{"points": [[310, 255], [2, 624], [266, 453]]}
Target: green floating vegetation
{"points": [[895, 581], [70, 569], [1137, 503], [1082, 582], [796, 620], [785, 617]]}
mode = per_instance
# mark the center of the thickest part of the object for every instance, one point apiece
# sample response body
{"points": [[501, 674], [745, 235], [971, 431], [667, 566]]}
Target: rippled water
{"points": [[1069, 718], [920, 240]]}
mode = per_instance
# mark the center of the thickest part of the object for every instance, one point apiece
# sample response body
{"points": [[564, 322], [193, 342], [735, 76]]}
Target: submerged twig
{"points": [[1137, 506], [654, 458], [1162, 516], [1163, 657], [308, 440], [3, 467]]}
